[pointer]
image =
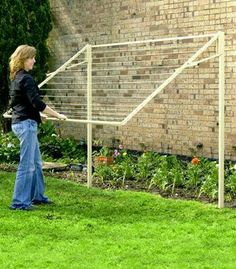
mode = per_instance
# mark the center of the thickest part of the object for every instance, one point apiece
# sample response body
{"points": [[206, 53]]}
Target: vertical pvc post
{"points": [[220, 47], [89, 116]]}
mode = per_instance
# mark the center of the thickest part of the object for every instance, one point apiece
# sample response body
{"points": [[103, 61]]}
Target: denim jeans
{"points": [[29, 184]]}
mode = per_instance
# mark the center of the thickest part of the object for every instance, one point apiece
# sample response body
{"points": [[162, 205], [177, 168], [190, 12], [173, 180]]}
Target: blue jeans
{"points": [[29, 184]]}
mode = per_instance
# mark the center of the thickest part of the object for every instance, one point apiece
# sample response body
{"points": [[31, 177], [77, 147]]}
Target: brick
{"points": [[189, 105]]}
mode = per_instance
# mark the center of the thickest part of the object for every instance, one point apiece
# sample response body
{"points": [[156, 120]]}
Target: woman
{"points": [[27, 105]]}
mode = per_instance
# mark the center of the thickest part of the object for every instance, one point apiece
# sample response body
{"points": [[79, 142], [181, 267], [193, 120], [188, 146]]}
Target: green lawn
{"points": [[92, 228]]}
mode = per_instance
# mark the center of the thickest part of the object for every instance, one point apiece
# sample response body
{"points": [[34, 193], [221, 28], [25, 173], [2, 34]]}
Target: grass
{"points": [[92, 228]]}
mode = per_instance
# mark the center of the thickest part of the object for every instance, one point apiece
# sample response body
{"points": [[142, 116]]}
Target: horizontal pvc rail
{"points": [[152, 40]]}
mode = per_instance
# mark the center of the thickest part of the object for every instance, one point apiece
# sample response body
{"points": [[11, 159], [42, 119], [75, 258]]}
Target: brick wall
{"points": [[186, 112]]}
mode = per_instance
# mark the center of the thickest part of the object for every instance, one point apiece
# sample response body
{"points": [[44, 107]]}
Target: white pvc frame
{"points": [[217, 37]]}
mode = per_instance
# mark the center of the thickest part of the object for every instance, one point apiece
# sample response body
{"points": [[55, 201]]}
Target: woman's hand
{"points": [[61, 117], [49, 111], [43, 116]]}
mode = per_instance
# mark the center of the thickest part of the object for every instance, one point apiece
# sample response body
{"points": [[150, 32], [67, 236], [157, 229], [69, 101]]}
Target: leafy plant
{"points": [[160, 176], [230, 185], [105, 152], [57, 147], [9, 148], [103, 172], [194, 176], [176, 174], [146, 165], [196, 173], [209, 186], [169, 174], [124, 170]]}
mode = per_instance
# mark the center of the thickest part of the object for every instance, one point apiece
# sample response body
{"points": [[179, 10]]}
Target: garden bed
{"points": [[63, 172], [131, 185]]}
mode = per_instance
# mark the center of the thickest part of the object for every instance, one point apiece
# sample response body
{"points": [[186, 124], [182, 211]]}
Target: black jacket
{"points": [[25, 99]]}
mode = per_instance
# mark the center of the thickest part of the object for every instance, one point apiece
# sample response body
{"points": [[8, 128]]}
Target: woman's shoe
{"points": [[30, 208], [43, 202]]}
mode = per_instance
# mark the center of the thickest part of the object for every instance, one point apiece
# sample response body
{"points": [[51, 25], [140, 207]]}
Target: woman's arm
{"points": [[32, 93], [49, 111]]}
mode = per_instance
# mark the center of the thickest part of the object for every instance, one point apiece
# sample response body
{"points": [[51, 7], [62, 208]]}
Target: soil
{"points": [[131, 185]]}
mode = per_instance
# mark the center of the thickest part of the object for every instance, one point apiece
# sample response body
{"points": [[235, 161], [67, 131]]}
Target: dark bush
{"points": [[22, 22]]}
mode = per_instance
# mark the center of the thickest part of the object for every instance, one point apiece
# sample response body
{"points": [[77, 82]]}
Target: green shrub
{"points": [[54, 146]]}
